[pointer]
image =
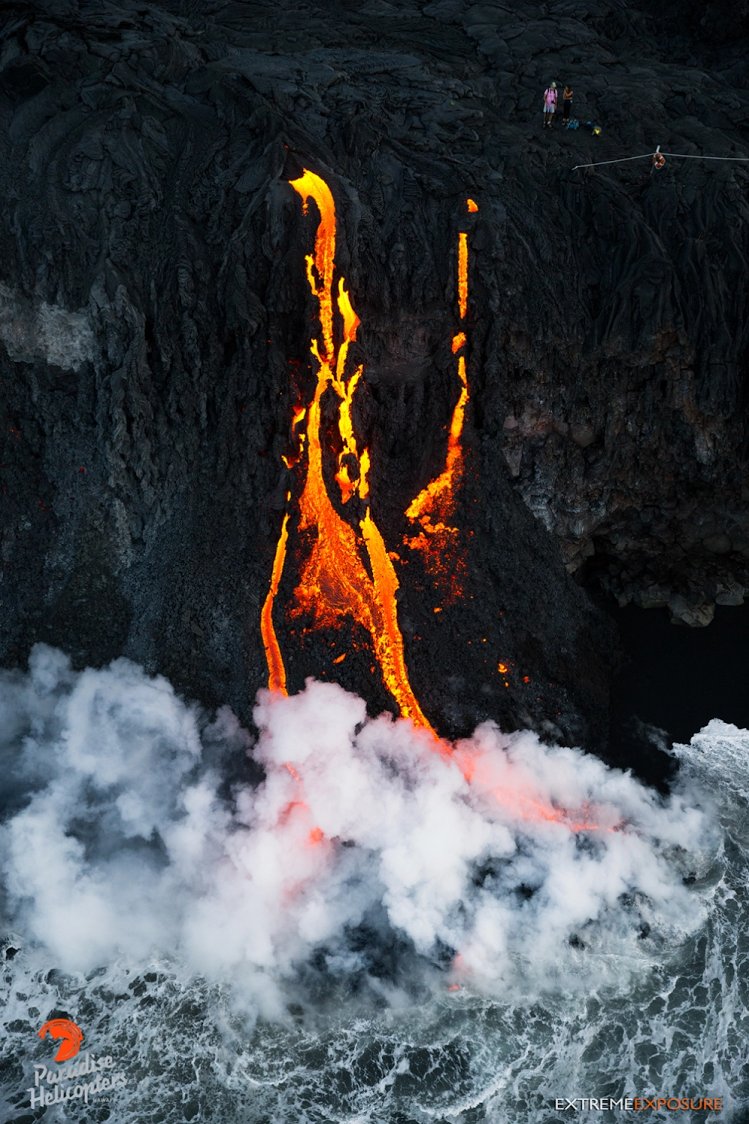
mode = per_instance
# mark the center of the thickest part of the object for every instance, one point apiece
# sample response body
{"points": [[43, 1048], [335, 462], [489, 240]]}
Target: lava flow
{"points": [[276, 669], [334, 579], [434, 507]]}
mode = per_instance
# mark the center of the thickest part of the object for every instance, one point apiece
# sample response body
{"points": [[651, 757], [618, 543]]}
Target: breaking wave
{"points": [[377, 927]]}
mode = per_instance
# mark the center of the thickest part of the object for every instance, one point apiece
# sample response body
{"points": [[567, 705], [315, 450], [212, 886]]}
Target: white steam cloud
{"points": [[503, 865]]}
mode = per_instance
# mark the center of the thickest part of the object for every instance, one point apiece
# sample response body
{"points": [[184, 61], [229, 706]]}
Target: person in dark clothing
{"points": [[566, 103]]}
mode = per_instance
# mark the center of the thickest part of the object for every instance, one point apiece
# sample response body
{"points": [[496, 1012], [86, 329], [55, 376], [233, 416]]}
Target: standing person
{"points": [[567, 93], [550, 104]]}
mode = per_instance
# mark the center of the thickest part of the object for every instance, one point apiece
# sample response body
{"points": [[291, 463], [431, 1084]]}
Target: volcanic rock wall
{"points": [[155, 321]]}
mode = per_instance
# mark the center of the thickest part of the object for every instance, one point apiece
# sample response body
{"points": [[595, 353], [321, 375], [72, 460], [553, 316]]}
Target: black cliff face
{"points": [[155, 322]]}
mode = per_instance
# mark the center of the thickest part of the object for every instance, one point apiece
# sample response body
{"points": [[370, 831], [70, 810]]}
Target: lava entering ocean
{"points": [[347, 569]]}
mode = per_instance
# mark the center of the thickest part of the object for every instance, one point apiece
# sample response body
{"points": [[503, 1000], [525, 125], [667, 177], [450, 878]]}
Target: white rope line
{"points": [[659, 151], [689, 156], [621, 160]]}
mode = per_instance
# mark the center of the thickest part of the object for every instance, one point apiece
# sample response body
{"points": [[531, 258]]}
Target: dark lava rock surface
{"points": [[155, 321]]}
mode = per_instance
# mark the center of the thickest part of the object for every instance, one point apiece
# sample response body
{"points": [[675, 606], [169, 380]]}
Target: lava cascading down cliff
{"points": [[433, 509], [348, 569]]}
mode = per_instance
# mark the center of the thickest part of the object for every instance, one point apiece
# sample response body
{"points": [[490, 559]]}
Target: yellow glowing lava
{"points": [[434, 507], [276, 669], [334, 581], [462, 274]]}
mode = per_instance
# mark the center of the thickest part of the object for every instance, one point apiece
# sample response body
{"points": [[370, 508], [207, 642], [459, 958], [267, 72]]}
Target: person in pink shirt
{"points": [[550, 105]]}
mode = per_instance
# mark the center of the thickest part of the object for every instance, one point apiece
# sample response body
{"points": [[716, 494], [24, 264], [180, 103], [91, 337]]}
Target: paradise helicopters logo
{"points": [[70, 1034], [86, 1077]]}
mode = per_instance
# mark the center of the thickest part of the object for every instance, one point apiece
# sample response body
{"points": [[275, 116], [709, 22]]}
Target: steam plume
{"points": [[503, 865]]}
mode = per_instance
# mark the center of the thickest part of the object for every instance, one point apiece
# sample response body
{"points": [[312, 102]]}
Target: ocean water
{"points": [[375, 935]]}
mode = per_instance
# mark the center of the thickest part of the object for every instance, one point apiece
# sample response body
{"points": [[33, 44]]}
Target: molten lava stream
{"points": [[276, 669], [434, 507], [334, 580]]}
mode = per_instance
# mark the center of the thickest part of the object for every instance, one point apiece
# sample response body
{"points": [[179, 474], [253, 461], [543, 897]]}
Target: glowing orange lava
{"points": [[434, 507], [462, 274], [300, 413], [523, 805], [346, 568], [276, 669], [334, 580]]}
